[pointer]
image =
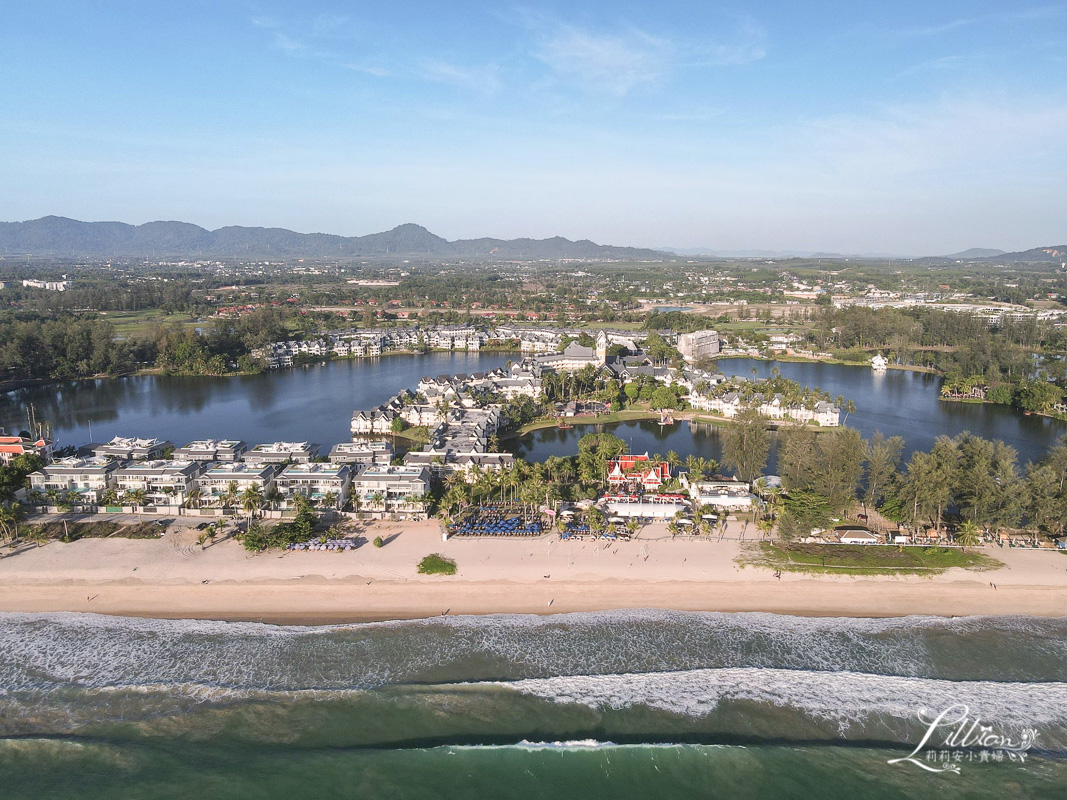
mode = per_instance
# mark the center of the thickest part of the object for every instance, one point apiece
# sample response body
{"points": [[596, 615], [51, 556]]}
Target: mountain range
{"points": [[64, 237], [70, 238]]}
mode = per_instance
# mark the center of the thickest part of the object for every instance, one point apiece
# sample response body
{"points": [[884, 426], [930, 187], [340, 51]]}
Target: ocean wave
{"points": [[844, 698], [86, 650]]}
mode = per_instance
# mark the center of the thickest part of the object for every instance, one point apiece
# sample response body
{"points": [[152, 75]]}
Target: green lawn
{"points": [[838, 559], [589, 419], [138, 323]]}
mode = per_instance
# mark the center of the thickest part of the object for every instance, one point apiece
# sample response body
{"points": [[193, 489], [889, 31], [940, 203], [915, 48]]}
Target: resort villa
{"points": [[211, 450], [726, 495], [361, 453], [88, 477], [165, 483], [575, 356], [12, 446], [282, 452], [392, 490], [125, 448], [215, 483], [637, 472], [316, 482]]}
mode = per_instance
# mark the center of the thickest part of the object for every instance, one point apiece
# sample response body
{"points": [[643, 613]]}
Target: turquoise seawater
{"points": [[606, 705]]}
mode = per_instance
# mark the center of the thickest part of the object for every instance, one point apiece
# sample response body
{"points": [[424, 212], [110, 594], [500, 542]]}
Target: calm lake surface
{"points": [[315, 403], [895, 402]]}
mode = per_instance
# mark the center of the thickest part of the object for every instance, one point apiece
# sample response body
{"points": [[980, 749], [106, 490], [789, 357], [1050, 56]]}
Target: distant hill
{"points": [[63, 237], [975, 252], [1056, 253]]}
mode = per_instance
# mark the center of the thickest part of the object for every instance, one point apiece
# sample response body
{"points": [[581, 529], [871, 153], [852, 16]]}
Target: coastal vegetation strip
{"points": [[840, 559]]}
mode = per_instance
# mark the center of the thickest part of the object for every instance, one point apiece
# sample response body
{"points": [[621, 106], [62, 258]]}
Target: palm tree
{"points": [[273, 497], [765, 525], [192, 497], [230, 497], [329, 500], [136, 498], [967, 535], [9, 517], [37, 535], [251, 499], [850, 408], [692, 465]]}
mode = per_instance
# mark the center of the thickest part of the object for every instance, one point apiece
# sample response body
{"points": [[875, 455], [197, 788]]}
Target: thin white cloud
{"points": [[287, 43], [485, 80], [1037, 14], [623, 58], [747, 44], [377, 72], [614, 64]]}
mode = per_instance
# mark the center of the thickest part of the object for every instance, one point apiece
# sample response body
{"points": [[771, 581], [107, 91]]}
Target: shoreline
{"points": [[174, 578], [328, 602], [795, 359]]}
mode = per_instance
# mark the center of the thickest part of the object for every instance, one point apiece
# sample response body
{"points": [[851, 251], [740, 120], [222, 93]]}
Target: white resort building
{"points": [[362, 453], [282, 452], [211, 450], [89, 477], [315, 482], [165, 483], [392, 490], [125, 448], [215, 483]]}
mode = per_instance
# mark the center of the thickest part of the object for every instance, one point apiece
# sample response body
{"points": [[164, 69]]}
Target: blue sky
{"points": [[903, 127]]}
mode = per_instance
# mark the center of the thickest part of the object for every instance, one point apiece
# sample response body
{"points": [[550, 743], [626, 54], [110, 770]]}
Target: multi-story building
{"points": [[575, 356], [211, 450], [16, 445], [128, 448], [443, 463], [216, 481], [362, 453], [165, 483], [317, 482], [376, 421], [392, 490], [88, 477], [282, 452], [699, 344]]}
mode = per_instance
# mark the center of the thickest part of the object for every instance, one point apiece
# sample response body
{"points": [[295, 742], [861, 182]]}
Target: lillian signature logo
{"points": [[954, 736]]}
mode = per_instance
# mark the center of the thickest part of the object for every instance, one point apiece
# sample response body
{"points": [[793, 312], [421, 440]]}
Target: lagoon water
{"points": [[315, 403], [605, 705], [896, 402]]}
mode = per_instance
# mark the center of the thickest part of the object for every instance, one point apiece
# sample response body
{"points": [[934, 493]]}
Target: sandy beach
{"points": [[174, 577]]}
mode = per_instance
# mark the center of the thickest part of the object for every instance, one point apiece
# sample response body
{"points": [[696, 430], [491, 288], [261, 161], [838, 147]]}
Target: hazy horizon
{"points": [[921, 129]]}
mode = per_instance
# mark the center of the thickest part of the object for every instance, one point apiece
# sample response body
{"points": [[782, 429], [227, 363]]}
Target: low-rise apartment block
{"points": [[282, 452], [128, 448], [317, 482], [211, 450]]}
